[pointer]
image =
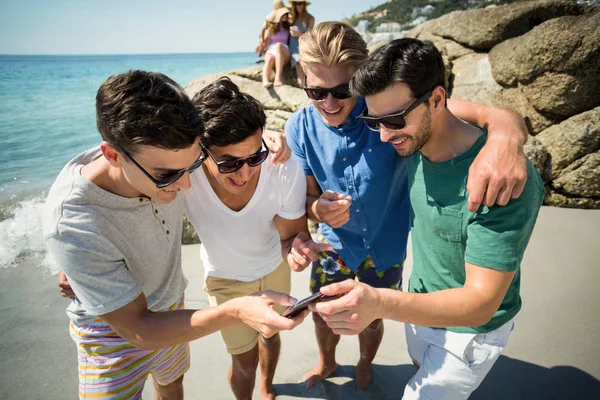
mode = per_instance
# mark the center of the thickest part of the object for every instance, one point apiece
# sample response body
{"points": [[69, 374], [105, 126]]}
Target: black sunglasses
{"points": [[340, 92], [171, 177], [394, 121], [230, 166]]}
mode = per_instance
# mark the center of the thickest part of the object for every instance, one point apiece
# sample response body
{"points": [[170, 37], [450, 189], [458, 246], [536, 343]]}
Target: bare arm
{"points": [[472, 305], [152, 330], [499, 172], [313, 192], [330, 207]]}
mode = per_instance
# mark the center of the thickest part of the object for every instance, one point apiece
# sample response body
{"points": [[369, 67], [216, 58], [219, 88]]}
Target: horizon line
{"points": [[117, 54]]}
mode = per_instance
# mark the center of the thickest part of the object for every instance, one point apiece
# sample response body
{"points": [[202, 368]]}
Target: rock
{"points": [[484, 28], [537, 153], [557, 64], [473, 79], [276, 119], [286, 98], [515, 99], [449, 48], [582, 178], [255, 74], [560, 200], [189, 235], [571, 140]]}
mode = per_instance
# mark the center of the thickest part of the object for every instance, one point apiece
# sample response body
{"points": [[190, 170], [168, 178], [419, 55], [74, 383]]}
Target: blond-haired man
{"points": [[357, 186]]}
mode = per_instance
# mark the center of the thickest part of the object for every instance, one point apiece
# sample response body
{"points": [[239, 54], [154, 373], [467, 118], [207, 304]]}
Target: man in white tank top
{"points": [[251, 219]]}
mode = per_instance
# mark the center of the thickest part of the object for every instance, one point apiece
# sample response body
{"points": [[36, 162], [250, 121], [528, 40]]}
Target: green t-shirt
{"points": [[445, 234]]}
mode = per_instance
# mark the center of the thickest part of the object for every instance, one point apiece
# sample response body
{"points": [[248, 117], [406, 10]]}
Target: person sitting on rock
{"points": [[277, 54], [302, 22], [261, 45]]}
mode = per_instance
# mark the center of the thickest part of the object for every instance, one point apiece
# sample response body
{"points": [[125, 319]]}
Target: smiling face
{"points": [[417, 132], [241, 181], [334, 111], [158, 163]]}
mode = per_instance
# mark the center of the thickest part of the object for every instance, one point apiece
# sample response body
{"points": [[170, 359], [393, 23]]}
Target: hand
{"points": [[278, 146], [333, 208], [257, 312], [65, 286], [303, 251], [497, 174], [351, 313]]}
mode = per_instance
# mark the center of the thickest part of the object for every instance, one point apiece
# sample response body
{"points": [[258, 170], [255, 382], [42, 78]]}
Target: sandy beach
{"points": [[552, 354]]}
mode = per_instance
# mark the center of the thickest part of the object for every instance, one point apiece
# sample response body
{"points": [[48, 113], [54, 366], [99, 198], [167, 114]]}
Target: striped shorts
{"points": [[112, 368]]}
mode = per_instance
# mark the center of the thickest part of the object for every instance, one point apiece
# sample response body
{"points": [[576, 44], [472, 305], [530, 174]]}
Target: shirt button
{"points": [[341, 130], [364, 229], [357, 210], [155, 211], [368, 247], [163, 221], [167, 232], [344, 159], [141, 200], [370, 150], [349, 186]]}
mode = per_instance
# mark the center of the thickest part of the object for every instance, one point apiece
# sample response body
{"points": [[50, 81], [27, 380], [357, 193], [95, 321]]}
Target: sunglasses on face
{"points": [[340, 92], [395, 121], [170, 177], [231, 166]]}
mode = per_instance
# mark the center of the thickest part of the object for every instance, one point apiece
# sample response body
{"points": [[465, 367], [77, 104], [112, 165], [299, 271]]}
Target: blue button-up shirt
{"points": [[352, 159]]}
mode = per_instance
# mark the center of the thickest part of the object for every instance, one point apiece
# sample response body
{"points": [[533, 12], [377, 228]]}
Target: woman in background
{"points": [[276, 37], [301, 22]]}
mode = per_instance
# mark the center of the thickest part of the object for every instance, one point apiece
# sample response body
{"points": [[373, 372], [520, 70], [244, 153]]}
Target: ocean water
{"points": [[47, 117]]}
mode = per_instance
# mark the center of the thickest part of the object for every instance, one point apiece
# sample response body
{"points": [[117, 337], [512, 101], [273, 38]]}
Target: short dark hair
{"points": [[229, 115], [417, 63], [146, 108]]}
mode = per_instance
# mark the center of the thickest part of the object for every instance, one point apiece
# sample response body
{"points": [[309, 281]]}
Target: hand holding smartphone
{"points": [[303, 304]]}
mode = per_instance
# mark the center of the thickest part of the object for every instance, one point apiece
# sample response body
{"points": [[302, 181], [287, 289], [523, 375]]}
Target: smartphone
{"points": [[301, 305]]}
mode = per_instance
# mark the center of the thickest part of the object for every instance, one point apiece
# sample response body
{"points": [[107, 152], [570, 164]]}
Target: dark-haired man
{"points": [[357, 185], [113, 224], [251, 218], [464, 288]]}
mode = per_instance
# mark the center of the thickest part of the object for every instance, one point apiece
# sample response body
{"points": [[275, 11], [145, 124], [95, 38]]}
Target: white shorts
{"points": [[452, 364], [271, 49]]}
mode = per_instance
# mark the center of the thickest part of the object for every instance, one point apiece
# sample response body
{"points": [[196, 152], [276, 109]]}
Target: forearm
{"points": [[441, 309], [164, 329]]}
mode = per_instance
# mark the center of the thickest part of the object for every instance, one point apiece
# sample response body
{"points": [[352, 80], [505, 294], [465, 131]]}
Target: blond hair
{"points": [[332, 44]]}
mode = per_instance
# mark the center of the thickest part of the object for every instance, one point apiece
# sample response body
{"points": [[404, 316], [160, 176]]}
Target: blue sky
{"points": [[144, 26]]}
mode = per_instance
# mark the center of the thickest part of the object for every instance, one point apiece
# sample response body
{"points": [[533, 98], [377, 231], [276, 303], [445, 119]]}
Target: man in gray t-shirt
{"points": [[113, 225]]}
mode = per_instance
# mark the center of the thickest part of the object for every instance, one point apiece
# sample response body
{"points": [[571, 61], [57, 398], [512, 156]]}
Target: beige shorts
{"points": [[242, 338]]}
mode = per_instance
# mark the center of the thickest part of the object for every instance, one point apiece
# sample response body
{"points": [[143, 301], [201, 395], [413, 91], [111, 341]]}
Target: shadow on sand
{"points": [[509, 379]]}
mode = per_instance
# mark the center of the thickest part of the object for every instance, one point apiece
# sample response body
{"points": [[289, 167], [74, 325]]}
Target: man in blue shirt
{"points": [[357, 185]]}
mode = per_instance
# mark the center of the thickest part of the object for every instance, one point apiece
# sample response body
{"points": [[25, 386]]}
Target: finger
{"points": [[278, 298], [476, 185], [491, 194], [331, 195], [339, 288], [318, 247], [300, 258], [504, 195], [336, 222], [518, 188]]}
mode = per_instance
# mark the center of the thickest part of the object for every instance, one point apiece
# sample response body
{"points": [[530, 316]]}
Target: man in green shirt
{"points": [[464, 288]]}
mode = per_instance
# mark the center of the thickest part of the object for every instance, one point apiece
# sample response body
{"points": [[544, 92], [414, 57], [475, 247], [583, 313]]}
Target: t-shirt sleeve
{"points": [[293, 190], [98, 275], [292, 133], [497, 236]]}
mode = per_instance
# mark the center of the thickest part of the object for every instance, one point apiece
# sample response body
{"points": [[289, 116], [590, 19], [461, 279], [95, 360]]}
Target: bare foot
{"points": [[277, 83], [317, 374], [267, 392], [266, 84], [363, 375]]}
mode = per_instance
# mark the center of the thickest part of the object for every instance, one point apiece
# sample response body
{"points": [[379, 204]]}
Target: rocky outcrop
{"points": [[484, 28], [544, 62]]}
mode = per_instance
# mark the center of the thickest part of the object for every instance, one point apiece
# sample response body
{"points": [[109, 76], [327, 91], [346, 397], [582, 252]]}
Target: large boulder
{"points": [[473, 79], [539, 157], [515, 99], [447, 47], [571, 140], [582, 178], [484, 28], [556, 64]]}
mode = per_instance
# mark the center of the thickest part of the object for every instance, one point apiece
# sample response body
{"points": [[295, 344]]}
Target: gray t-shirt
{"points": [[112, 248]]}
